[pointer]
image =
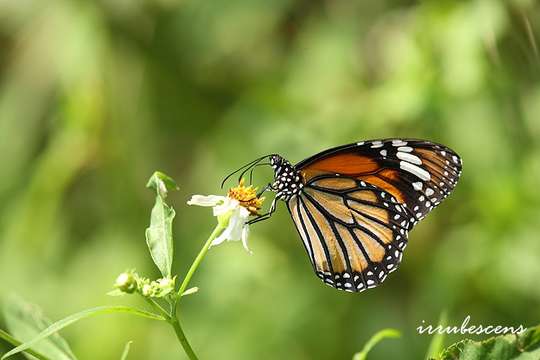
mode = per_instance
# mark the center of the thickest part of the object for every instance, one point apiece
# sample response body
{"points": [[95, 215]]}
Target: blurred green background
{"points": [[95, 96]]}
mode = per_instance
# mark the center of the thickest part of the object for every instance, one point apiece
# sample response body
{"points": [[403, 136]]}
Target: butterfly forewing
{"points": [[420, 174]]}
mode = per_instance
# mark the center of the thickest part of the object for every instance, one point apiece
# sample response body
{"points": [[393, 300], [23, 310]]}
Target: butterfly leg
{"points": [[268, 186], [266, 216]]}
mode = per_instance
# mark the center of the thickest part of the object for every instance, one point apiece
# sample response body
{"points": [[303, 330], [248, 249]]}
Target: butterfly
{"points": [[354, 205]]}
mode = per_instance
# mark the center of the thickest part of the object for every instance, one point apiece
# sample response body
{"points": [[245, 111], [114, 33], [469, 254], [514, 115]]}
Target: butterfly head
{"points": [[287, 180]]}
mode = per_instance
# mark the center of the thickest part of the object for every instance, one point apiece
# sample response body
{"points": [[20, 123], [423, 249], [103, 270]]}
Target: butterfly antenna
{"points": [[248, 165], [250, 168], [251, 171]]}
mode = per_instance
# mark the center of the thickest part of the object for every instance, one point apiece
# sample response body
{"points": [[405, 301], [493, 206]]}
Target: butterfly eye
{"points": [[276, 161]]}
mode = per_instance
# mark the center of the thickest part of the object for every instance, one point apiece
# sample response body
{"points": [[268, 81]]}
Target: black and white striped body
{"points": [[287, 181]]}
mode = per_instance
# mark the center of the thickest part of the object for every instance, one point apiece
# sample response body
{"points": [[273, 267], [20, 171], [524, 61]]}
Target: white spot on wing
{"points": [[417, 186], [405, 148], [409, 157], [415, 170]]}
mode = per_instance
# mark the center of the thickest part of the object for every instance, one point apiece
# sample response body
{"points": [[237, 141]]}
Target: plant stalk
{"points": [[217, 231], [182, 338], [173, 319]]}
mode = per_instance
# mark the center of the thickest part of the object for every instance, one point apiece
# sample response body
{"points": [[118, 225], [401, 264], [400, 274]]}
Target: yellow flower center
{"points": [[247, 197]]}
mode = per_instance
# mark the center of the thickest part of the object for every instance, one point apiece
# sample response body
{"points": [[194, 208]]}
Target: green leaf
{"points": [[116, 293], [437, 342], [386, 333], [162, 183], [126, 351], [505, 347], [25, 321], [190, 291], [11, 340], [57, 326], [159, 236]]}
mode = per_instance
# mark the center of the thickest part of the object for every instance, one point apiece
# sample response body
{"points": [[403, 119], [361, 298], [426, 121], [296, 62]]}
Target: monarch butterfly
{"points": [[353, 205]]}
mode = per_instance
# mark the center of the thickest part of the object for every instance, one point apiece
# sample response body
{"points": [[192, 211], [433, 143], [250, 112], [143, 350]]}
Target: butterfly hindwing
{"points": [[354, 232]]}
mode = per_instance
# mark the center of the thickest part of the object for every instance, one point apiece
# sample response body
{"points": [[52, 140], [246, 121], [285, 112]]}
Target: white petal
{"points": [[225, 206], [221, 238], [245, 234], [210, 200], [236, 223], [244, 213]]}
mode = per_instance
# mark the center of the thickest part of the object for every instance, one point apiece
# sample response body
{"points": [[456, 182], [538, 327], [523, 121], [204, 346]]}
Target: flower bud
{"points": [[147, 290], [126, 282], [165, 286]]}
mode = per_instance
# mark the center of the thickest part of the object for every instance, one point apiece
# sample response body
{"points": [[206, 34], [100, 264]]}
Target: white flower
{"points": [[230, 211]]}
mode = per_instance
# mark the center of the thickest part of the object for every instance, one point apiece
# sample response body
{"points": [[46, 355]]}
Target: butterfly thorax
{"points": [[287, 181]]}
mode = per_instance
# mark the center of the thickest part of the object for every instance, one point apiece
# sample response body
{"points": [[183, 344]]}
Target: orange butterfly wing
{"points": [[352, 239], [360, 200], [419, 174]]}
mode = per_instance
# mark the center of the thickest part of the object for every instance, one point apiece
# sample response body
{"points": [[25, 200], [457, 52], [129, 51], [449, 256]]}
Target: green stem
{"points": [[173, 319], [217, 231], [183, 340], [11, 340]]}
